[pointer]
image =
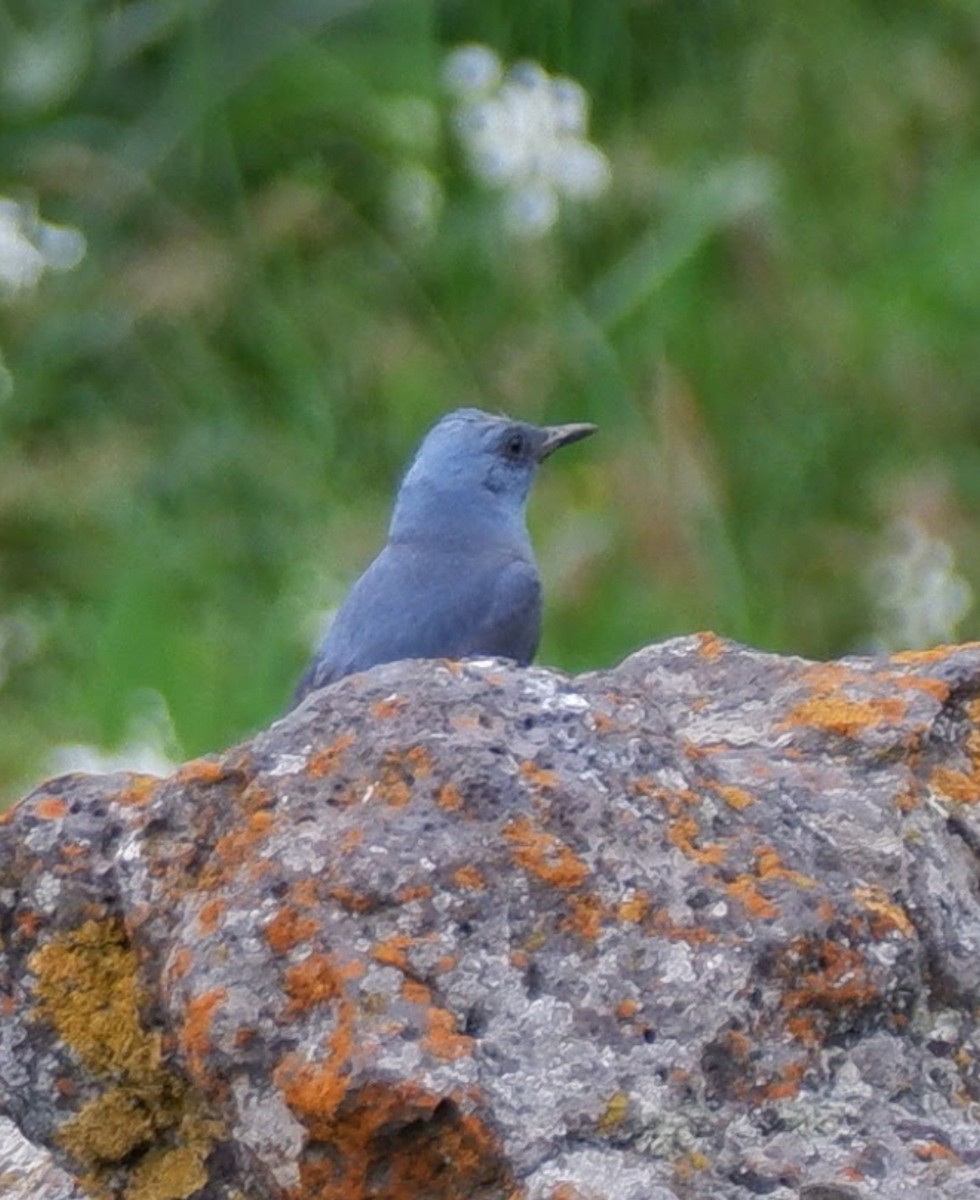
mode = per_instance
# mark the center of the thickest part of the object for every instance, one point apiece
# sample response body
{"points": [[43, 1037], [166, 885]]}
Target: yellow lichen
{"points": [[108, 1128], [169, 1174], [147, 1135], [87, 988], [615, 1112]]}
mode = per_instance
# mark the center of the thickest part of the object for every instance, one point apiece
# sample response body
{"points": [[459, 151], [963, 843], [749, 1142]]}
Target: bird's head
{"points": [[475, 463], [477, 460]]}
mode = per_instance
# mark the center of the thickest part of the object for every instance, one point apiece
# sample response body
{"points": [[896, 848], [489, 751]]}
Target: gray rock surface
{"points": [[28, 1172], [704, 925]]}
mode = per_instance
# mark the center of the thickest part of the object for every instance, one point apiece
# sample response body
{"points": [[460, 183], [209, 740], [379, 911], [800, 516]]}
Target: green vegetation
{"points": [[771, 311]]}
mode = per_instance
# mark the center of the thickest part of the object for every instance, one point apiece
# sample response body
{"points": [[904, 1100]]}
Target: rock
{"points": [[28, 1173], [704, 925]]}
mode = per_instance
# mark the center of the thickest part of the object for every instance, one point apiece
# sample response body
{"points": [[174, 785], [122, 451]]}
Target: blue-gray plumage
{"points": [[457, 577]]}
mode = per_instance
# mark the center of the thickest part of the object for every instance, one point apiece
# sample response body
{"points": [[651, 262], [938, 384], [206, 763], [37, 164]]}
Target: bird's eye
{"points": [[514, 445]]}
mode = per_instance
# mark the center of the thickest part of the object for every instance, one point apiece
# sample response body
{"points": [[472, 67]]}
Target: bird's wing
{"points": [[413, 603], [511, 622]]}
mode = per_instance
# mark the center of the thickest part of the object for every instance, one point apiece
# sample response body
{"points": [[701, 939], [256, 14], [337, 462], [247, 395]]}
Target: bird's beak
{"points": [[556, 436]]}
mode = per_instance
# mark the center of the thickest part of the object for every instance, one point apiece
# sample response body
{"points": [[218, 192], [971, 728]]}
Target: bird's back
{"points": [[420, 600]]}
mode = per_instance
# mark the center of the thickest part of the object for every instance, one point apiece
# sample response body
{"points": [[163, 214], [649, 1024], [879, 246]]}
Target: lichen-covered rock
{"points": [[705, 925]]}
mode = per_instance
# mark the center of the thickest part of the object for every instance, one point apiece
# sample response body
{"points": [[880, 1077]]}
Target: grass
{"points": [[771, 314]]}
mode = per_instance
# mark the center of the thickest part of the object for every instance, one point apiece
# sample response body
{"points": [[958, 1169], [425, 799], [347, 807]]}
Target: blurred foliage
{"points": [[772, 314]]}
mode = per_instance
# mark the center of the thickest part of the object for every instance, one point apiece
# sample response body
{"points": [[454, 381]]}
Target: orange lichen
{"points": [[935, 687], [634, 909], [627, 1009], [824, 979], [195, 1035], [603, 723], [396, 1141], [933, 1151], [585, 916], [201, 771], [287, 929], [956, 785], [239, 846], [768, 865], [140, 791], [538, 777], [908, 800], [566, 1191], [418, 760], [28, 922], [395, 791], [886, 916], [350, 840], [735, 797], [746, 891], [710, 645], [180, 963], [314, 1090], [390, 706], [255, 798], [682, 832], [304, 893], [935, 654], [470, 878], [352, 901], [211, 913], [310, 982], [787, 1083], [448, 797], [392, 950], [662, 924], [699, 750], [650, 790], [442, 1039], [399, 772], [837, 713], [261, 821], [326, 761], [414, 891], [544, 855], [675, 800], [415, 992], [50, 808]]}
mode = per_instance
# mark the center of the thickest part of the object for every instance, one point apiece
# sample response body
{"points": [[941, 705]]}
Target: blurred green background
{"points": [[772, 311]]}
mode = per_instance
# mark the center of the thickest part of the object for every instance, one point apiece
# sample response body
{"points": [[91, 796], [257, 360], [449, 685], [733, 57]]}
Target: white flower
{"points": [[21, 263], [531, 209], [29, 246], [471, 70], [920, 597], [525, 133]]}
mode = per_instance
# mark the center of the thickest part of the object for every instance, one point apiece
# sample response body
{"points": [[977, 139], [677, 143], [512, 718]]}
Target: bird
{"points": [[457, 577]]}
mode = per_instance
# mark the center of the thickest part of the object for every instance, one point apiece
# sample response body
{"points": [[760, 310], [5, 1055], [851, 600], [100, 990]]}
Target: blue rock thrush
{"points": [[457, 577]]}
